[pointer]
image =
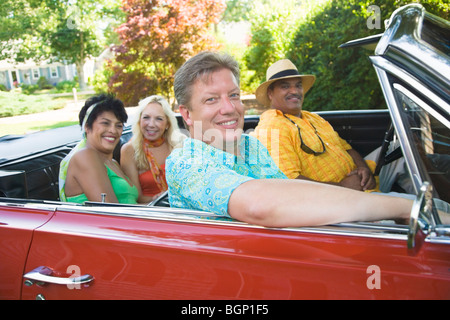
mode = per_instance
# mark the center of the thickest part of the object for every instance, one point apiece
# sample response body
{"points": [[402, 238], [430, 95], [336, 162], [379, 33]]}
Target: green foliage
{"points": [[131, 86], [272, 27], [19, 21], [101, 78], [66, 85], [345, 78], [13, 104], [62, 30], [29, 88], [43, 83], [237, 10], [157, 38], [72, 43]]}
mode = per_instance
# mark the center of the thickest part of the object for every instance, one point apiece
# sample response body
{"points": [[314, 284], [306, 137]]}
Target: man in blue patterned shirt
{"points": [[203, 177], [221, 170]]}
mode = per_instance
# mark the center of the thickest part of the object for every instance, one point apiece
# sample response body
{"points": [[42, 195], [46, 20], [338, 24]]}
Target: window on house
{"points": [[54, 72], [36, 73]]}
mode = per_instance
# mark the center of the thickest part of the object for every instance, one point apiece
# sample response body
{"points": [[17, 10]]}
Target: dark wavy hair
{"points": [[104, 102]]}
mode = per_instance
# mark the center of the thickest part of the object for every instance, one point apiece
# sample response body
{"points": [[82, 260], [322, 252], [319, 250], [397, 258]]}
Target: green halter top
{"points": [[124, 192]]}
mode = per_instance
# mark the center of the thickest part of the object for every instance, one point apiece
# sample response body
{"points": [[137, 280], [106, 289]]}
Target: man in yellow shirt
{"points": [[303, 144]]}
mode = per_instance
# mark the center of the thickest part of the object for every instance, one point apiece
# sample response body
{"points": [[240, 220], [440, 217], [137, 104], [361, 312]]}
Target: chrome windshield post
{"points": [[422, 203]]}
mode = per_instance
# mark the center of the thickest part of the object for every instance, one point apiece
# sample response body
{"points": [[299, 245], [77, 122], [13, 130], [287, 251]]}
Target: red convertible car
{"points": [[55, 250]]}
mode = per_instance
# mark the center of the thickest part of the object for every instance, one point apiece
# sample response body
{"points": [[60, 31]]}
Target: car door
{"points": [[17, 223], [165, 253]]}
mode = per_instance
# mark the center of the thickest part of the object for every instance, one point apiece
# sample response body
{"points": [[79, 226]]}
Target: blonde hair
{"points": [[173, 135]]}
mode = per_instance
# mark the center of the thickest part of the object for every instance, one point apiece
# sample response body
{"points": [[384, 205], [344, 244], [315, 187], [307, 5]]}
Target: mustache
{"points": [[298, 96]]}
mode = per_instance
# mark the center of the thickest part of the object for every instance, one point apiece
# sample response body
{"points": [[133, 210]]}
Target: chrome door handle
{"points": [[42, 275]]}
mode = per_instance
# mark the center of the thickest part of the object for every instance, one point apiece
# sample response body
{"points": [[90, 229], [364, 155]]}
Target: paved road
{"points": [[71, 110], [68, 113]]}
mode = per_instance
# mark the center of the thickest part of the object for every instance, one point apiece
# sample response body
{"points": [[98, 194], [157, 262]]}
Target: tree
{"points": [[70, 31], [156, 39], [18, 28], [238, 10], [79, 31], [345, 77], [272, 30]]}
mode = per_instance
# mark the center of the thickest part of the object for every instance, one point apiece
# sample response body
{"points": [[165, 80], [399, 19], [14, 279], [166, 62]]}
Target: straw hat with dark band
{"points": [[282, 69]]}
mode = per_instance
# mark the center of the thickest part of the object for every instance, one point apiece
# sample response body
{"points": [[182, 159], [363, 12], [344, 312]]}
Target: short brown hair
{"points": [[196, 67]]}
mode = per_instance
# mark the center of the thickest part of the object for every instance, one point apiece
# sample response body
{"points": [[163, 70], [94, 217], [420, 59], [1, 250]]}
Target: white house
{"points": [[29, 72]]}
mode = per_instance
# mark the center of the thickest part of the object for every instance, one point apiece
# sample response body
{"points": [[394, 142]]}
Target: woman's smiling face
{"points": [[105, 132], [153, 121]]}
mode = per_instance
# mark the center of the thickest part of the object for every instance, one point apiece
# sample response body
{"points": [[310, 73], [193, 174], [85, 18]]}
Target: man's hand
{"points": [[351, 181], [367, 180]]}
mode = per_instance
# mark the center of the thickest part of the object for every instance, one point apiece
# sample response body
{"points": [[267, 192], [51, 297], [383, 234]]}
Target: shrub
{"points": [[15, 103], [66, 85], [345, 78], [43, 83], [29, 88]]}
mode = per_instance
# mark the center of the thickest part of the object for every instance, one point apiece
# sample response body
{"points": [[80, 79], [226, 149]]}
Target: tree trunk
{"points": [[80, 65], [80, 72]]}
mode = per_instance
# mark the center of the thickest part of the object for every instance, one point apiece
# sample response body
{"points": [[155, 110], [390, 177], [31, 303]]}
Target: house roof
{"points": [[28, 64]]}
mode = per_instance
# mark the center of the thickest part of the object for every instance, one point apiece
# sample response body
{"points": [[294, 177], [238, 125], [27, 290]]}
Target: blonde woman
{"points": [[155, 135]]}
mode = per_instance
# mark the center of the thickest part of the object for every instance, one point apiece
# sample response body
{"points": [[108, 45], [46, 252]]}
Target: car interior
{"points": [[35, 177]]}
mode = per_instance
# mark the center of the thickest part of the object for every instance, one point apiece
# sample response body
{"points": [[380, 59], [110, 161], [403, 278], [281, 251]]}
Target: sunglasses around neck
{"points": [[303, 146]]}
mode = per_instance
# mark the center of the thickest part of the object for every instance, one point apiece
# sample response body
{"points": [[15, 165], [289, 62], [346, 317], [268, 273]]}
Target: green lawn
{"points": [[14, 103]]}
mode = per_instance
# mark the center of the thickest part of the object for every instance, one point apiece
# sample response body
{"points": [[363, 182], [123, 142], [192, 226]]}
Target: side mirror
{"points": [[422, 203]]}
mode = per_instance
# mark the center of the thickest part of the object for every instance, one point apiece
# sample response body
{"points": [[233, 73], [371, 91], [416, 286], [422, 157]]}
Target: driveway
{"points": [[68, 113]]}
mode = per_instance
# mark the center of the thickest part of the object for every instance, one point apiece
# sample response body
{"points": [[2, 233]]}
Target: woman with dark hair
{"points": [[89, 172]]}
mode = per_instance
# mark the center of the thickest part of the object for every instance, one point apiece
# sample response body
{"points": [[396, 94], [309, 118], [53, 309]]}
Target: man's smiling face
{"points": [[215, 110], [286, 95]]}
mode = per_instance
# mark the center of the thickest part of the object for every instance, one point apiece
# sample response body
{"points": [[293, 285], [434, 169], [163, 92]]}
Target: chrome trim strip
{"points": [[404, 33], [387, 66], [366, 230], [375, 230], [35, 206], [398, 125], [423, 105], [438, 240]]}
